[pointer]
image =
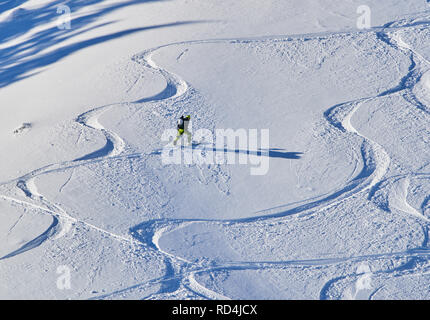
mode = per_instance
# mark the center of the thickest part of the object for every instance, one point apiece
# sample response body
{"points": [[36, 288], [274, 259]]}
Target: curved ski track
{"points": [[182, 272]]}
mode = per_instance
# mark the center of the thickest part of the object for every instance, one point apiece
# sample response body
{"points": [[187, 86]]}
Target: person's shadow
{"points": [[271, 153], [281, 153]]}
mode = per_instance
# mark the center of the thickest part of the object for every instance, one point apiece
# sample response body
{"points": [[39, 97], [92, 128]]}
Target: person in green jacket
{"points": [[183, 123]]}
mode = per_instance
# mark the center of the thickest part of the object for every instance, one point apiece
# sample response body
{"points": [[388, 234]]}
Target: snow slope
{"points": [[82, 183]]}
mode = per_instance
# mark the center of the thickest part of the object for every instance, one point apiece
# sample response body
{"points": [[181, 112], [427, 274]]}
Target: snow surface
{"points": [[343, 212]]}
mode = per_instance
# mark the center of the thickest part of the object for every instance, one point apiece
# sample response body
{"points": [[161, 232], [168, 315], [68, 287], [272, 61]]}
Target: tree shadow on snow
{"points": [[6, 5], [25, 58]]}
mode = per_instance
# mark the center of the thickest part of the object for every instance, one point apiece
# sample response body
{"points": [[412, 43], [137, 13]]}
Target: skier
{"points": [[183, 123]]}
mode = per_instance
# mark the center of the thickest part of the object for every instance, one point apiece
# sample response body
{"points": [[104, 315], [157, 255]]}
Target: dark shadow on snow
{"points": [[6, 5], [25, 58], [36, 241], [103, 152], [282, 154], [167, 93], [271, 153]]}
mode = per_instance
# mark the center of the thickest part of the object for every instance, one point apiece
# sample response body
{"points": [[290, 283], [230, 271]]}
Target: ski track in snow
{"points": [[399, 200], [376, 163]]}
